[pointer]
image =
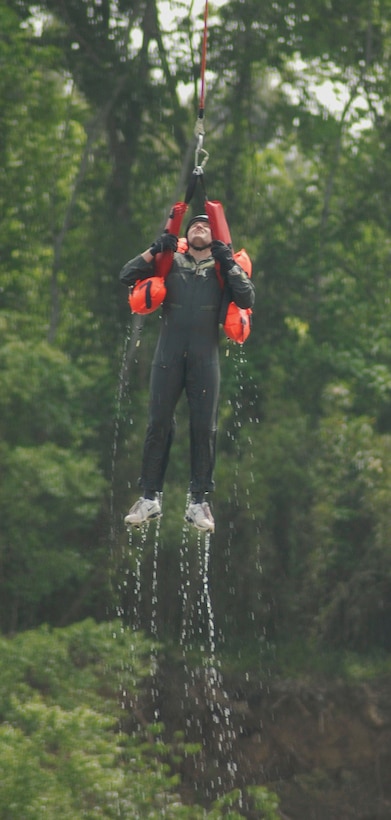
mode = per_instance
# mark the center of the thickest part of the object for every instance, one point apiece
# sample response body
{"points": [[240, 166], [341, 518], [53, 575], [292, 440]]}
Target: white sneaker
{"points": [[143, 510], [200, 516]]}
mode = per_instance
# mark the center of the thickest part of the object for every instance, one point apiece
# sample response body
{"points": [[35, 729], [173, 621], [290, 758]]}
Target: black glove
{"points": [[222, 253], [167, 242]]}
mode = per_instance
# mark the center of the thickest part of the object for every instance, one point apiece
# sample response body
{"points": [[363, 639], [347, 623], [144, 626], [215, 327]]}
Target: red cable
{"points": [[203, 62]]}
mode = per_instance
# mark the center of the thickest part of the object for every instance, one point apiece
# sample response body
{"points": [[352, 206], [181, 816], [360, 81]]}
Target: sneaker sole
{"points": [[139, 524], [197, 527]]}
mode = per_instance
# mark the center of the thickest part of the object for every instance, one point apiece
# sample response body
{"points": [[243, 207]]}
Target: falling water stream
{"points": [[197, 626]]}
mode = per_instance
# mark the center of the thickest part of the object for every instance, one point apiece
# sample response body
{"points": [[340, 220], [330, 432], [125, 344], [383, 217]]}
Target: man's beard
{"points": [[199, 247]]}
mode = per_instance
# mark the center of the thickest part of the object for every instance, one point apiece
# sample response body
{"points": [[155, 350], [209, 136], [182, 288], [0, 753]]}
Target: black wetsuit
{"points": [[187, 358]]}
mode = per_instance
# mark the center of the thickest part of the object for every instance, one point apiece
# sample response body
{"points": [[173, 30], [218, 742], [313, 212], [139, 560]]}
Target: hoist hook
{"points": [[200, 133], [199, 130]]}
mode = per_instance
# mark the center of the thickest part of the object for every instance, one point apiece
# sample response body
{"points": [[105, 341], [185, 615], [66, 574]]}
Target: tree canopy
{"points": [[98, 105]]}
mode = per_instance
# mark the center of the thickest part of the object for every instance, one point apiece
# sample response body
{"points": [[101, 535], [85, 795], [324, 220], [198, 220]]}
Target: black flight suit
{"points": [[187, 358]]}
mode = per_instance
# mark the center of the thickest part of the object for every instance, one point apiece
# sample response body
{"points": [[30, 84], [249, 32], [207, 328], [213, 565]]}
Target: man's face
{"points": [[199, 235]]}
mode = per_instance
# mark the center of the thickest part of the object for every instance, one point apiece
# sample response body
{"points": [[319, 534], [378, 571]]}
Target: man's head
{"points": [[198, 232]]}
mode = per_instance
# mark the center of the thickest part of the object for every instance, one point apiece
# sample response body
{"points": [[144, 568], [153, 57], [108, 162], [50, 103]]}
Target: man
{"points": [[187, 358]]}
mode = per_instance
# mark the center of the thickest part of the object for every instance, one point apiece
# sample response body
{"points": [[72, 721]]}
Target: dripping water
{"points": [[205, 681], [184, 567], [130, 344], [197, 624], [114, 451], [153, 626]]}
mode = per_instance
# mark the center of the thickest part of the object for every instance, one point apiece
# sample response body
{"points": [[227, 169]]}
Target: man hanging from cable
{"points": [[187, 358], [201, 287]]}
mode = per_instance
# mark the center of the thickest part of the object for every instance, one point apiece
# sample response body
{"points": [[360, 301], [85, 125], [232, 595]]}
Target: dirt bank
{"points": [[324, 748]]}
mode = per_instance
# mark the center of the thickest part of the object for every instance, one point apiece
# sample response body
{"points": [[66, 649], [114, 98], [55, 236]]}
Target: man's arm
{"points": [[138, 268], [142, 266], [241, 286]]}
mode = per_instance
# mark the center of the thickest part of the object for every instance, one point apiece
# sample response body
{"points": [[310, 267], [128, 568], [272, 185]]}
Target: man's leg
{"points": [[203, 389], [165, 389]]}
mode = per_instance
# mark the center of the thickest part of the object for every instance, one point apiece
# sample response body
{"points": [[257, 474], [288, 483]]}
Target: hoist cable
{"points": [[203, 63]]}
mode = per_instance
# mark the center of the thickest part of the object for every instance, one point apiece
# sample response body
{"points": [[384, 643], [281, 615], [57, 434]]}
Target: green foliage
{"points": [[51, 487], [259, 802], [62, 747], [58, 708], [42, 140], [42, 395], [349, 565]]}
